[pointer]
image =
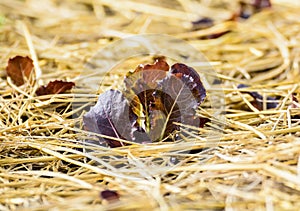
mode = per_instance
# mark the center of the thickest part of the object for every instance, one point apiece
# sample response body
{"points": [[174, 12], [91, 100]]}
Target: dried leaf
{"points": [[258, 99], [261, 4], [110, 195], [247, 10], [203, 121], [214, 36], [294, 106], [19, 69], [202, 23], [55, 87], [295, 102]]}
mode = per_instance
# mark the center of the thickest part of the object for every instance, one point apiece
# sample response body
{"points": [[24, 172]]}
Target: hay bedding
{"points": [[255, 164]]}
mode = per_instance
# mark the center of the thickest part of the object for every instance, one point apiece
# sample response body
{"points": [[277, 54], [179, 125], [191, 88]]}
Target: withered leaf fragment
{"points": [[261, 4], [215, 35], [206, 22], [110, 195], [258, 99], [247, 10], [19, 69], [202, 23], [55, 87], [295, 101], [295, 106]]}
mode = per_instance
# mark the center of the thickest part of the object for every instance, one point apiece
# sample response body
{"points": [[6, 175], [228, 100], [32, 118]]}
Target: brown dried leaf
{"points": [[19, 69], [294, 106], [202, 23], [110, 195], [257, 102], [247, 10], [55, 87], [214, 36], [261, 4]]}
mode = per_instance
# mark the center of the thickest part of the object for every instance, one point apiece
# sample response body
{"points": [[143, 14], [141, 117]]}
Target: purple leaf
{"points": [[192, 79], [111, 116]]}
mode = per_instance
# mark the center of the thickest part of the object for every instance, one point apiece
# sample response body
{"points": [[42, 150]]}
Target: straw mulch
{"points": [[44, 164]]}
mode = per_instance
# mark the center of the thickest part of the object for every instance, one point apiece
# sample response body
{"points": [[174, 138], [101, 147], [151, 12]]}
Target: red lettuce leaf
{"points": [[112, 117], [191, 78], [140, 86], [179, 95], [145, 77], [155, 97]]}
